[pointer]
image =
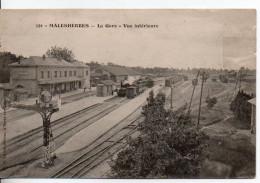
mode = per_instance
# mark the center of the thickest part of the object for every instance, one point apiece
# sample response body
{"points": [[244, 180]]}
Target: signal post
{"points": [[46, 109]]}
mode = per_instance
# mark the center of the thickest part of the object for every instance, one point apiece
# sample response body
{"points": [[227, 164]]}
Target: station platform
{"points": [[31, 101], [88, 135], [26, 124]]}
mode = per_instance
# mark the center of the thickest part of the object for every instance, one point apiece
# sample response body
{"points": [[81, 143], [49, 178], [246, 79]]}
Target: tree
{"points": [[7, 58], [93, 65], [211, 102], [241, 108], [62, 53], [170, 145]]}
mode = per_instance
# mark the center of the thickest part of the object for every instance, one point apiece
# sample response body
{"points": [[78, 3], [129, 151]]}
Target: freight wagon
{"points": [[172, 80], [150, 83]]}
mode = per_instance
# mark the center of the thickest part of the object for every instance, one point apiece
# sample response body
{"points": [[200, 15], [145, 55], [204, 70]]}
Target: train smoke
{"points": [[130, 80]]}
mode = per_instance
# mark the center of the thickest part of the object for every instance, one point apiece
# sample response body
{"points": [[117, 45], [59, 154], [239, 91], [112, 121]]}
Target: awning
{"points": [[20, 90], [61, 81]]}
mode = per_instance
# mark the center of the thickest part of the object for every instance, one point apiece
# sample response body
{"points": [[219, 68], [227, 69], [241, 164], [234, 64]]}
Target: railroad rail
{"points": [[19, 138], [65, 131], [16, 114], [99, 153]]}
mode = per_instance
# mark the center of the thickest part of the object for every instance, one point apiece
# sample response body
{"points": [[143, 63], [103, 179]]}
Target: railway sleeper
{"points": [[131, 126], [119, 142]]}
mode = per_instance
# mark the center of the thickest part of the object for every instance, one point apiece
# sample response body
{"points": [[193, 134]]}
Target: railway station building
{"points": [[114, 73], [35, 74]]}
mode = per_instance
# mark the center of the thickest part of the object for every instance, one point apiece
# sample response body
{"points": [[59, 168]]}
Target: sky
{"points": [[185, 38]]}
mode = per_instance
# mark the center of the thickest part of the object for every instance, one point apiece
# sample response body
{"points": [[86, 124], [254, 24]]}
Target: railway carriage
{"points": [[172, 80]]}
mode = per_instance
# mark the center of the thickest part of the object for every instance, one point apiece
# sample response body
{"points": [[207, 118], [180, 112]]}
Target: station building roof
{"points": [[119, 70], [107, 82], [46, 61], [79, 64]]}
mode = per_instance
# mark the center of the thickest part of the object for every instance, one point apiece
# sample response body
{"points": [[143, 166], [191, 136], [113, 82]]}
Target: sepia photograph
{"points": [[128, 93]]}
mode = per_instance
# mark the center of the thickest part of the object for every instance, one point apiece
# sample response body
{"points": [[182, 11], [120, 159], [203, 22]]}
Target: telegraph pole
{"points": [[240, 75], [172, 87], [202, 81], [194, 83], [171, 96]]}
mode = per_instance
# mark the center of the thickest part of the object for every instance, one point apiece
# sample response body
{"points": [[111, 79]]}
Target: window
{"points": [[49, 74], [86, 73], [65, 73], [55, 74], [70, 73], [60, 74], [75, 73], [42, 74]]}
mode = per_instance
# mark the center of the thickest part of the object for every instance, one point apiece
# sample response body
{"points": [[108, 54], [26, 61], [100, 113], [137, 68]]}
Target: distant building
{"points": [[96, 78], [115, 73], [56, 75], [232, 74], [253, 115]]}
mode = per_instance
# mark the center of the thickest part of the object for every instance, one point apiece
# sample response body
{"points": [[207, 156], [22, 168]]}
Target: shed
{"points": [[253, 115], [20, 94], [105, 88]]}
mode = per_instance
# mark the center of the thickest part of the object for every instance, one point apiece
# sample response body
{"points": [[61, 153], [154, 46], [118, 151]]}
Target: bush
{"points": [[211, 102], [241, 108], [170, 145]]}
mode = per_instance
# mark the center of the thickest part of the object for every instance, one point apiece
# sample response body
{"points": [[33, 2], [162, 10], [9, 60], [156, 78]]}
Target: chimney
{"points": [[43, 57]]}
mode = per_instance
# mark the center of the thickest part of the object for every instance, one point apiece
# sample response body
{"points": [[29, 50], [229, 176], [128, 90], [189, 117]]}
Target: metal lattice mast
{"points": [[4, 130]]}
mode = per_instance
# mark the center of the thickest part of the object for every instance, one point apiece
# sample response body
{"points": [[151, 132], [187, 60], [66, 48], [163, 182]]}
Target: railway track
{"points": [[176, 91], [99, 153], [63, 129], [26, 156], [18, 139], [16, 114]]}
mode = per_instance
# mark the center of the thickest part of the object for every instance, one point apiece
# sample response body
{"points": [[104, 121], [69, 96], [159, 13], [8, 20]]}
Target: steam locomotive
{"points": [[134, 89]]}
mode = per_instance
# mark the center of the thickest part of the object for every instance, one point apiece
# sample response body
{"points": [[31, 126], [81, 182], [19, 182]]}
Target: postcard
{"points": [[128, 93]]}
